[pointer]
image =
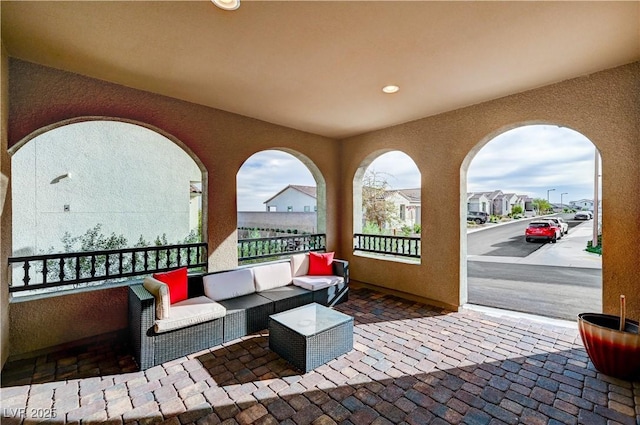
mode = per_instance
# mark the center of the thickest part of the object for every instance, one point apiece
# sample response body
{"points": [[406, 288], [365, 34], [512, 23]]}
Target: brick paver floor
{"points": [[411, 364]]}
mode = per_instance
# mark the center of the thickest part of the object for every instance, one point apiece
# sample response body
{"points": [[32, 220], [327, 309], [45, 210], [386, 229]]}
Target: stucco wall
{"points": [[604, 107], [130, 179], [54, 320], [222, 141], [5, 208]]}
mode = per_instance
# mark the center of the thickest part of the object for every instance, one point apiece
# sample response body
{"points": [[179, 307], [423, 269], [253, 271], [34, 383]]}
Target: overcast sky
{"points": [[527, 161]]}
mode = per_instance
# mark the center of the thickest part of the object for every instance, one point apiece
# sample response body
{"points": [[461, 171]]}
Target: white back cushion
{"points": [[231, 284], [272, 276], [299, 265]]}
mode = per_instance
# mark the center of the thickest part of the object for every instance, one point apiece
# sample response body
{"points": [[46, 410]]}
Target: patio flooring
{"points": [[411, 364]]}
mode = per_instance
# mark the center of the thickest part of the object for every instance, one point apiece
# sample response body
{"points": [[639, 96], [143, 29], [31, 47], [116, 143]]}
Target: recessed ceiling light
{"points": [[390, 89], [227, 4]]}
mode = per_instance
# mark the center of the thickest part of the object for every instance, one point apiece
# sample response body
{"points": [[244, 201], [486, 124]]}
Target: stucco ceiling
{"points": [[320, 66]]}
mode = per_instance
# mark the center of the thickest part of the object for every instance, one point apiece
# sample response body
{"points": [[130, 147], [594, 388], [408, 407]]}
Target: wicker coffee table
{"points": [[311, 335]]}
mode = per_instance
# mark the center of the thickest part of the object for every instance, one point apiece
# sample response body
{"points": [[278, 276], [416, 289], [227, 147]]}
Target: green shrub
{"points": [[371, 229], [595, 249], [406, 230]]}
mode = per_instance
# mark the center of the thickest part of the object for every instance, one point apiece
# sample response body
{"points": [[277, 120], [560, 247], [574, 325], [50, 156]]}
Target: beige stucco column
{"points": [[5, 207]]}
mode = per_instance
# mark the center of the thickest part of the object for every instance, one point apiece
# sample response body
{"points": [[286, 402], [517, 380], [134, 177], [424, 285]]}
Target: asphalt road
{"points": [[558, 292]]}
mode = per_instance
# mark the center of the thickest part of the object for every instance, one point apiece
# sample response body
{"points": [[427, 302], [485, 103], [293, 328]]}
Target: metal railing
{"points": [[277, 246], [70, 269], [402, 246]]}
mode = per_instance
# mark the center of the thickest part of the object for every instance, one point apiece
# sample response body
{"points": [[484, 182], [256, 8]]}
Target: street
{"points": [[506, 272]]}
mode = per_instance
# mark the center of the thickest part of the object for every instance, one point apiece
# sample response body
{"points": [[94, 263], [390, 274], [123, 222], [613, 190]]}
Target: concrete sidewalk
{"points": [[568, 252]]}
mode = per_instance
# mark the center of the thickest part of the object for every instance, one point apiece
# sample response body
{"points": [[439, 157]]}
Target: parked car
{"points": [[564, 226], [477, 216], [545, 230], [582, 215]]}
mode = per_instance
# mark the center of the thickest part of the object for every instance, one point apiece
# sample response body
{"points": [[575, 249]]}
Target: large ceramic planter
{"points": [[613, 352]]}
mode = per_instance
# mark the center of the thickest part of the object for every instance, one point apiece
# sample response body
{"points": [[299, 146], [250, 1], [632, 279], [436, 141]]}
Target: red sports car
{"points": [[545, 230]]}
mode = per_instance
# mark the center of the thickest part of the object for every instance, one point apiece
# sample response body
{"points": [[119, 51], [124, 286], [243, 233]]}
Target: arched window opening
{"points": [[387, 207], [533, 209], [281, 206], [98, 186]]}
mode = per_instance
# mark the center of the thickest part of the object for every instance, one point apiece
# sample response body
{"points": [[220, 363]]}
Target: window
{"points": [[402, 212], [290, 208], [307, 208]]}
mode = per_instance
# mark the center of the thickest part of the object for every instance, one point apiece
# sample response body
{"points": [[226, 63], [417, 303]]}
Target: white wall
{"points": [[294, 198], [132, 180]]}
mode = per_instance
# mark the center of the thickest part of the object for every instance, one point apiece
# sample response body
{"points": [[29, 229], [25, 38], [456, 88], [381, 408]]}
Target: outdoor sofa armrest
{"points": [[341, 268], [142, 316]]}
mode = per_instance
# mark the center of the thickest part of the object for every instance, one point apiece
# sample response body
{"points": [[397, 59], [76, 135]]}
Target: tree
{"points": [[541, 205], [376, 207], [517, 209], [94, 240]]}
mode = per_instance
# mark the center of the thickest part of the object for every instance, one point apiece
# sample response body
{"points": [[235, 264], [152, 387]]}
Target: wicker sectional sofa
{"points": [[224, 305]]}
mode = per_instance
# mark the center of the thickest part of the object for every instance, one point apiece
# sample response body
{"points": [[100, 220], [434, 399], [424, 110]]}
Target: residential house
{"points": [[582, 204], [511, 200], [293, 198], [496, 202], [407, 203], [478, 202]]}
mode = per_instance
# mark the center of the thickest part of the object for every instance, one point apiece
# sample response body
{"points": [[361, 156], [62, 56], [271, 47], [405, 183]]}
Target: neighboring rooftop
{"points": [[307, 190]]}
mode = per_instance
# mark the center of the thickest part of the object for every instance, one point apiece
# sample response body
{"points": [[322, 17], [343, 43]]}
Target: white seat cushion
{"points": [[313, 283], [231, 284], [271, 276], [190, 312]]}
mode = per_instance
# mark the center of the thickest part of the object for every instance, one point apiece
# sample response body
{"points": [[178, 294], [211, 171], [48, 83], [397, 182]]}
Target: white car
{"points": [[583, 215], [563, 225]]}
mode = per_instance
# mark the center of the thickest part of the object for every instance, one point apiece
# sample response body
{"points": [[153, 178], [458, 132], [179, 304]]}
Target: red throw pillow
{"points": [[176, 280], [320, 264]]}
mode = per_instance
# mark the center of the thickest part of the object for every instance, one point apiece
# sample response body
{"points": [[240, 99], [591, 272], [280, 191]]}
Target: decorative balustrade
{"points": [[277, 246], [71, 269], [402, 246]]}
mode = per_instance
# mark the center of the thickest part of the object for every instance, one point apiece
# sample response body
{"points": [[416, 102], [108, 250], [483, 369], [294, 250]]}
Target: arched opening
{"points": [[97, 184], [387, 206], [281, 205], [531, 207]]}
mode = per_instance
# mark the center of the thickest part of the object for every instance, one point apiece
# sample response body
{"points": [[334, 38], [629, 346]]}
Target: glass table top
{"points": [[310, 319]]}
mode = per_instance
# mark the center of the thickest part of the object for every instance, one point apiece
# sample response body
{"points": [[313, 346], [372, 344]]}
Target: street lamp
{"points": [[550, 190], [561, 204], [548, 203]]}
